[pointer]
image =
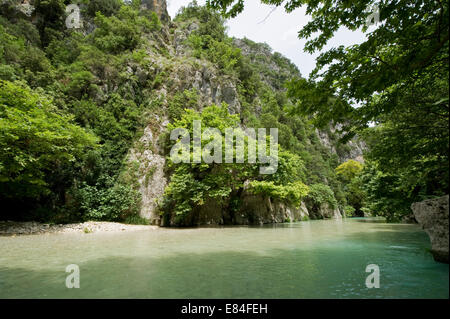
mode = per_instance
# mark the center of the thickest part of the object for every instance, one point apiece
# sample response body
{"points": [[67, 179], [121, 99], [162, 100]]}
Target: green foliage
{"points": [[349, 211], [19, 60], [350, 174], [385, 194], [136, 220], [296, 135], [188, 99], [321, 194], [349, 170], [191, 184], [409, 149], [400, 47], [396, 79], [292, 192], [79, 72], [35, 139], [95, 78], [122, 32], [209, 40], [105, 7], [260, 57], [211, 23], [81, 84], [221, 53], [51, 21], [114, 202], [414, 142]]}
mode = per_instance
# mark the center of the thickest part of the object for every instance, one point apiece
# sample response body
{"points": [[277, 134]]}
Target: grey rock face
{"points": [[150, 165], [254, 210], [432, 215], [279, 68], [355, 146], [322, 211], [212, 87], [159, 6], [328, 212], [257, 209]]}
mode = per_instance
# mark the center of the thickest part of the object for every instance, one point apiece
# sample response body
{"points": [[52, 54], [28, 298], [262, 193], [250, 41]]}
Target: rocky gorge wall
{"points": [[172, 68], [183, 72], [253, 210]]}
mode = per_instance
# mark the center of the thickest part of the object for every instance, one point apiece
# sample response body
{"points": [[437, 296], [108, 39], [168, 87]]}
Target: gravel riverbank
{"points": [[11, 228]]}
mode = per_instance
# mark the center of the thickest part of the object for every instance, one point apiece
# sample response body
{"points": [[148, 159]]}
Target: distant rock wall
{"points": [[432, 215], [159, 6], [258, 210], [253, 209], [322, 211], [180, 71]]}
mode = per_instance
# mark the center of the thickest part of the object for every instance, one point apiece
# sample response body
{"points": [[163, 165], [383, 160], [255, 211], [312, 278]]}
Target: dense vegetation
{"points": [[264, 104], [70, 111], [193, 184], [399, 78], [72, 106]]}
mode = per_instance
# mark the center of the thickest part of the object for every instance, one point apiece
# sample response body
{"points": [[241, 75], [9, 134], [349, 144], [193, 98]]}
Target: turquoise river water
{"points": [[313, 259]]}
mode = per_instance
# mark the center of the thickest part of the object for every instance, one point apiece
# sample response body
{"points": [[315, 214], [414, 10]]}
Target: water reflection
{"points": [[318, 259]]}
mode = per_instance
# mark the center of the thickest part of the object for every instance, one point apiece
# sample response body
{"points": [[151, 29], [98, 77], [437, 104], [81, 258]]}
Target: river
{"points": [[312, 259]]}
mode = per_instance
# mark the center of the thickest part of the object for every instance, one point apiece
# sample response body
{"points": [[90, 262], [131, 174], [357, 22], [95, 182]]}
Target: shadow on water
{"points": [[368, 219], [324, 260], [319, 273]]}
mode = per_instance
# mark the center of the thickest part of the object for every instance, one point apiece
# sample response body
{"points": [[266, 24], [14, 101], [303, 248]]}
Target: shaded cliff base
{"points": [[252, 210]]}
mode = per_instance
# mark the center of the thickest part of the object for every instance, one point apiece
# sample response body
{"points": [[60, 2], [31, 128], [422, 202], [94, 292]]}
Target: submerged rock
{"points": [[432, 215]]}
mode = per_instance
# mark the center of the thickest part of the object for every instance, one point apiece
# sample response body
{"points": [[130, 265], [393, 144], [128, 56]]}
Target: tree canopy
{"points": [[411, 39], [35, 139], [393, 89]]}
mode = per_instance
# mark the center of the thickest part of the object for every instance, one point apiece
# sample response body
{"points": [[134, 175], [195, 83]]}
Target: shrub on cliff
{"points": [[321, 194], [293, 193]]}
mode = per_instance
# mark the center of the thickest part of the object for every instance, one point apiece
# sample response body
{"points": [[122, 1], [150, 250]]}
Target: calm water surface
{"points": [[314, 259]]}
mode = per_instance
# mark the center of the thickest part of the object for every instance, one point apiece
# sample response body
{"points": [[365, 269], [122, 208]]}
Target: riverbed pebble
{"points": [[8, 228]]}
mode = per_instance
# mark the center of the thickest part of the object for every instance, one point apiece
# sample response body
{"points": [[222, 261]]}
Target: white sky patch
{"points": [[279, 29]]}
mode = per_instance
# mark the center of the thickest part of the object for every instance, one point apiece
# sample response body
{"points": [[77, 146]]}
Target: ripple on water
{"points": [[316, 259]]}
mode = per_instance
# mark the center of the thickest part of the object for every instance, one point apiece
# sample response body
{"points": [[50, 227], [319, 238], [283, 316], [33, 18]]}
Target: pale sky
{"points": [[279, 30]]}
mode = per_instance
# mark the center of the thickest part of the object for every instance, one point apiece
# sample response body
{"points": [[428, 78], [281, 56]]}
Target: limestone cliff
{"points": [[172, 60], [158, 6], [432, 215]]}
